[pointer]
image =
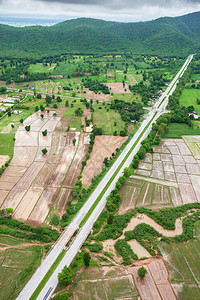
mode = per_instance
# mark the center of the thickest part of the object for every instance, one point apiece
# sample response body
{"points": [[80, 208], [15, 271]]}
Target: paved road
{"points": [[51, 284]]}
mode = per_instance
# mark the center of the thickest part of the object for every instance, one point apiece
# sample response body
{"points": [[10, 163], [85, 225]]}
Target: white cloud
{"points": [[119, 10]]}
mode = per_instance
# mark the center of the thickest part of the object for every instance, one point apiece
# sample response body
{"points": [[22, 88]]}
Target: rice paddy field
{"points": [[105, 283], [168, 177], [18, 261], [183, 264]]}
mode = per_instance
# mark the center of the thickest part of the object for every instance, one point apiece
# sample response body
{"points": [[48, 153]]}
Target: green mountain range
{"points": [[163, 36]]}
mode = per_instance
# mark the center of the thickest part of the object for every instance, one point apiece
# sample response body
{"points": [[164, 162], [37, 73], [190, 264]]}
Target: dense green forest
{"points": [[164, 36]]}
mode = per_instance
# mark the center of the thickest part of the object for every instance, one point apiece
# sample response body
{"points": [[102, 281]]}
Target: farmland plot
{"points": [[103, 147], [183, 264], [173, 172]]}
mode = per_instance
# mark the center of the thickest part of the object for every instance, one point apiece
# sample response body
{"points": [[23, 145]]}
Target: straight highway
{"points": [[125, 158]]}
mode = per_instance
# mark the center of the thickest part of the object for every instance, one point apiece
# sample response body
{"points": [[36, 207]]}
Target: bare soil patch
{"points": [[117, 88], [178, 160], [41, 210], [187, 193], [99, 96], [23, 156], [138, 249], [142, 172], [76, 166], [142, 218], [62, 200], [104, 146], [157, 174], [145, 166], [31, 197]]}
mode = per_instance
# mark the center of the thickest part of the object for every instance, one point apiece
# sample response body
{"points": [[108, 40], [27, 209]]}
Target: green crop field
{"points": [[196, 76], [112, 286], [126, 97], [6, 144], [183, 262], [40, 68], [16, 265], [65, 68], [177, 130], [189, 97], [106, 119], [75, 121]]}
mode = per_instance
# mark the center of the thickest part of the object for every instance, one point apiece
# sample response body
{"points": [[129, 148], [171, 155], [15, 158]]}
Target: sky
{"points": [[115, 10]]}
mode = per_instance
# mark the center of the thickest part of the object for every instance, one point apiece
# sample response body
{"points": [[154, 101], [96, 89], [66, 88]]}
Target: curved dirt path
{"points": [[142, 218]]}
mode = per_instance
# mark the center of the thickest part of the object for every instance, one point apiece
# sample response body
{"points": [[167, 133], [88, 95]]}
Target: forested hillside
{"points": [[164, 36]]}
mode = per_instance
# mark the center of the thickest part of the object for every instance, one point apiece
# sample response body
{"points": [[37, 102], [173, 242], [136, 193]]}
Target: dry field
{"points": [[156, 284], [99, 96], [169, 177], [32, 181], [104, 146], [27, 163], [117, 88]]}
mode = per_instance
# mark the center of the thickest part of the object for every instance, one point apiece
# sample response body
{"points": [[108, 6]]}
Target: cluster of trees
{"points": [[22, 230], [128, 111], [147, 236], [95, 86], [113, 200], [125, 250], [2, 90], [5, 212], [67, 275], [96, 247], [179, 114], [167, 217], [17, 71], [115, 229], [79, 112], [148, 92], [4, 167]]}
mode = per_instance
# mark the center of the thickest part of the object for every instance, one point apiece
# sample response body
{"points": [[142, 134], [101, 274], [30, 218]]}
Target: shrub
{"points": [[65, 276], [44, 151], [124, 249], [28, 127], [55, 220], [142, 272], [44, 133], [96, 247]]}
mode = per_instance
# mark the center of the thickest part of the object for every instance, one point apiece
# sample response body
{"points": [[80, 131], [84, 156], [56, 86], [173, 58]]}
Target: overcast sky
{"points": [[118, 10]]}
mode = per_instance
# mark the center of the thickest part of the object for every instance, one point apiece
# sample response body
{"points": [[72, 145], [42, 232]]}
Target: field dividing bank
{"points": [[108, 181]]}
